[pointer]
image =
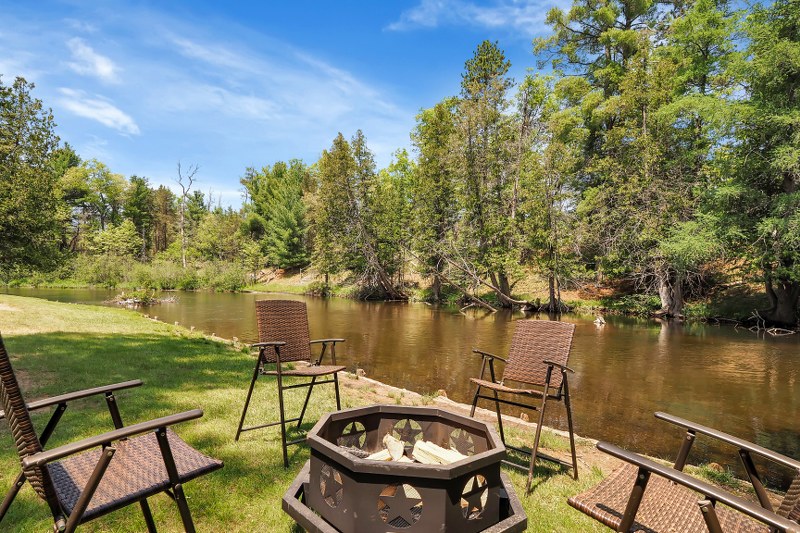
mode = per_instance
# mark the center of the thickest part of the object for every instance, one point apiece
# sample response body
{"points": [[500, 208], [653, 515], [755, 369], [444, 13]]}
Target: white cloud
{"points": [[525, 16], [99, 110], [80, 25], [87, 62]]}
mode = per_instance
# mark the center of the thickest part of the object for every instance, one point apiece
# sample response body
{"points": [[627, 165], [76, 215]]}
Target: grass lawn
{"points": [[57, 348]]}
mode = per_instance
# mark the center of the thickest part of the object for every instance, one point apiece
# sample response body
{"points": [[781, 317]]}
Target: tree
{"points": [[120, 241], [138, 208], [219, 235], [549, 152], [762, 198], [433, 211], [279, 211], [486, 168], [96, 194], [164, 215], [29, 192], [185, 182], [345, 212]]}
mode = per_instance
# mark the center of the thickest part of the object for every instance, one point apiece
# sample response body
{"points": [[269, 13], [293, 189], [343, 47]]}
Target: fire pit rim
{"points": [[331, 451]]}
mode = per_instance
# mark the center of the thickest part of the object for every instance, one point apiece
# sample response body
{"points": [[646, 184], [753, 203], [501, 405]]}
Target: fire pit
{"points": [[340, 489]]}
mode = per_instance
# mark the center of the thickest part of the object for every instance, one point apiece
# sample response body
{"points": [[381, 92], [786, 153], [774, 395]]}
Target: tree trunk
{"points": [[670, 291], [552, 305], [783, 298], [436, 287]]}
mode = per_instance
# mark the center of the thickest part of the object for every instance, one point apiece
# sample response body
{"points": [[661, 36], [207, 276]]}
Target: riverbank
{"points": [[732, 303], [58, 347]]}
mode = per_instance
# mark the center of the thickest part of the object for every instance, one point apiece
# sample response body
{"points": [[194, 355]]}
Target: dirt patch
{"points": [[9, 308]]}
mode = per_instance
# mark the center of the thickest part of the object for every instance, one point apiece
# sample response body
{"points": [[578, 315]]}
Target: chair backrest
{"points": [[533, 342], [790, 507], [287, 321], [19, 421]]}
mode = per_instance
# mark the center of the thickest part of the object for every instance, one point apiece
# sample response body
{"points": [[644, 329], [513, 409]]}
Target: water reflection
{"points": [[625, 370]]}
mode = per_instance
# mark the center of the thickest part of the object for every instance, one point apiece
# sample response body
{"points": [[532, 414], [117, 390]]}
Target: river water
{"points": [[732, 379]]}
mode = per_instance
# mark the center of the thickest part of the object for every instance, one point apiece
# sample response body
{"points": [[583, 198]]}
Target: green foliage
{"points": [[29, 196], [278, 217], [632, 304], [218, 236], [222, 276], [121, 240], [102, 270]]}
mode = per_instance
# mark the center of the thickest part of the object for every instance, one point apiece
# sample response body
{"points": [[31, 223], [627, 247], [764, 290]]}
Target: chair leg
{"points": [[247, 400], [336, 389], [571, 432], [148, 516], [11, 494], [174, 480], [535, 448], [183, 507], [499, 417], [305, 404], [283, 422], [475, 402]]}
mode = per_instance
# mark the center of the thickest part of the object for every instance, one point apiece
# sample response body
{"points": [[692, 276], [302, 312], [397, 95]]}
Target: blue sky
{"points": [[227, 85]]}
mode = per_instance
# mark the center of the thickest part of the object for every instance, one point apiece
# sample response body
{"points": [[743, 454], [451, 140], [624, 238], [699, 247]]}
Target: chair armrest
{"points": [[730, 439], [707, 490], [42, 458], [77, 395], [317, 341], [266, 344], [564, 368], [489, 355]]}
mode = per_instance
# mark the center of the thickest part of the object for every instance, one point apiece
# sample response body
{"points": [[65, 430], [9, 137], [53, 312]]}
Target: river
{"points": [[732, 379]]}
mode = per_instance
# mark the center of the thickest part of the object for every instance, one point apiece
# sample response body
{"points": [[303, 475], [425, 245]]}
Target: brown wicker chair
{"points": [[284, 338], [646, 496], [538, 356], [80, 481]]}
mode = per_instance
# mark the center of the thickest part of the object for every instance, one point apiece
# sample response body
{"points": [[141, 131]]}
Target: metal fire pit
{"points": [[338, 491]]}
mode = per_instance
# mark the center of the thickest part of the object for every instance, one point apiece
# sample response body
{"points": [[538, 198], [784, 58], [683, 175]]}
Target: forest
{"points": [[653, 147]]}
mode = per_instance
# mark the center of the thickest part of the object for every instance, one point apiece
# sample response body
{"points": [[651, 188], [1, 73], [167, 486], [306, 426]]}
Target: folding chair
{"points": [[538, 356], [284, 338], [650, 497], [94, 476]]}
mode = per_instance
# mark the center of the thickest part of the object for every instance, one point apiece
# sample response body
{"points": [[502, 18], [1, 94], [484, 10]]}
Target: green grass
{"points": [[59, 347]]}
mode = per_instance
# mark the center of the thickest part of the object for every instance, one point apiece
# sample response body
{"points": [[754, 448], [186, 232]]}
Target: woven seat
{"points": [[665, 507], [284, 338], [136, 472], [91, 477], [538, 357], [499, 387], [647, 496], [308, 371]]}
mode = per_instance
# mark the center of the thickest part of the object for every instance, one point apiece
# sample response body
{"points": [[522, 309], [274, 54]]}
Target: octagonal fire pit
{"points": [[341, 489]]}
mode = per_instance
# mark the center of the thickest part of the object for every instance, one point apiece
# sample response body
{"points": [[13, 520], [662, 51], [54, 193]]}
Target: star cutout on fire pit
{"points": [[462, 441], [475, 497], [330, 484], [353, 435], [408, 433], [404, 505]]}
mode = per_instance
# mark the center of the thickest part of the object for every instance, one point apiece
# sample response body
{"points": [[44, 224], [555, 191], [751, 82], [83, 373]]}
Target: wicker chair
{"points": [[647, 496], [284, 338], [94, 476], [538, 356]]}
